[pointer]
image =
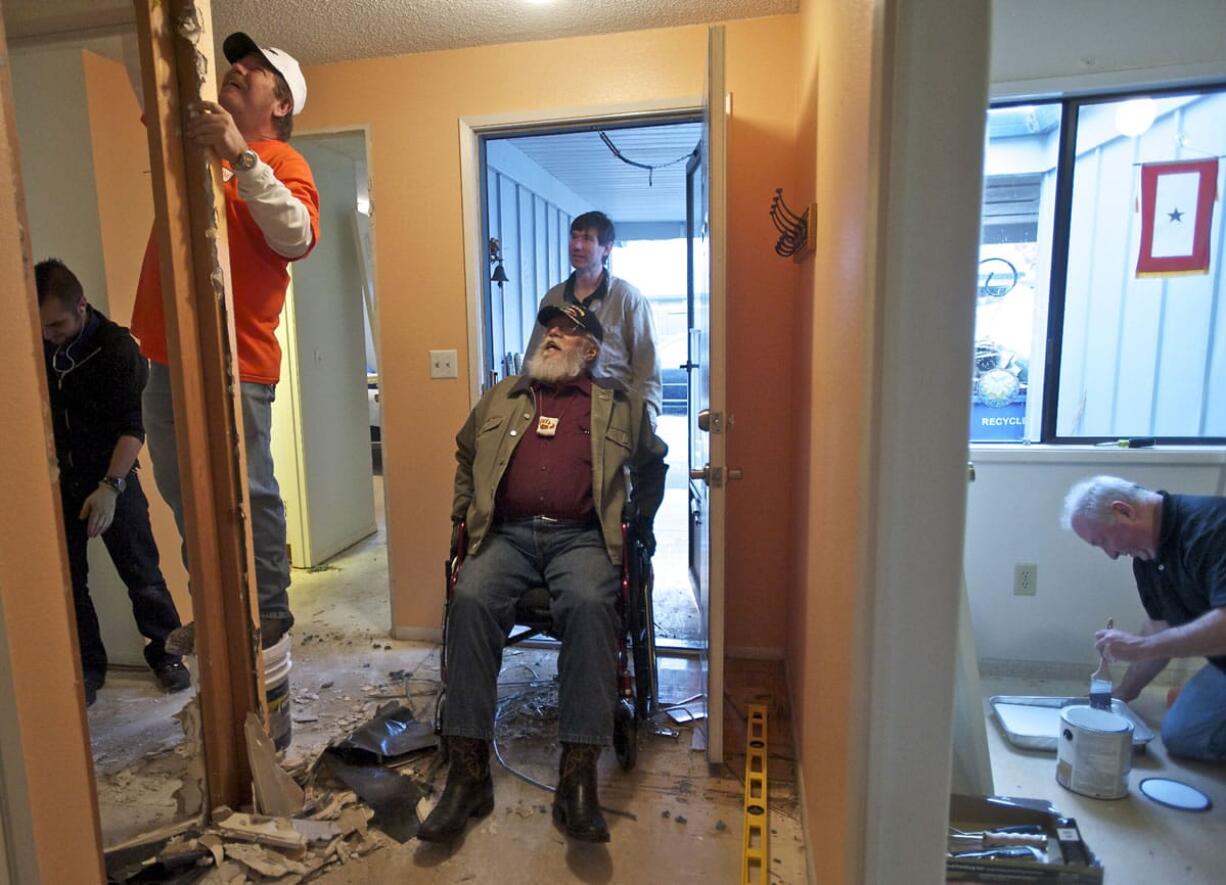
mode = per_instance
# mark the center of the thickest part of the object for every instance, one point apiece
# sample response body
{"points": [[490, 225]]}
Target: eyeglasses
{"points": [[570, 329]]}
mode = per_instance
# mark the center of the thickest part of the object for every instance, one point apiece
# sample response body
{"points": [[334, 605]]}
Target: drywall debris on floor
{"points": [[237, 847]]}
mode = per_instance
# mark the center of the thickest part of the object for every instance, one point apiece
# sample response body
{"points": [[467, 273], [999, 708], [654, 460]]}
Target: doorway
{"points": [[329, 391], [534, 183]]}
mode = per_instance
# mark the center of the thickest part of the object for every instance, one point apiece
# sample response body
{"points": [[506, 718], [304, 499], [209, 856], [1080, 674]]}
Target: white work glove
{"points": [[99, 509]]}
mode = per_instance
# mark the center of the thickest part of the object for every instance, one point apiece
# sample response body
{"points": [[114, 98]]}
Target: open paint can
{"points": [[1094, 752]]}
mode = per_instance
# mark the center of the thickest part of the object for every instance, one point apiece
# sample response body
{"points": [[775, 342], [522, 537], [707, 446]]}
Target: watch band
{"points": [[117, 483], [245, 161]]}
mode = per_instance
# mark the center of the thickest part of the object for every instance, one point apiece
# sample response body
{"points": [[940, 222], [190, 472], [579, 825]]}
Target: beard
{"points": [[555, 366]]}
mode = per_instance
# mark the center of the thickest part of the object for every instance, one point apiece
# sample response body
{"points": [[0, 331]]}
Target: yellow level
{"points": [[755, 847]]}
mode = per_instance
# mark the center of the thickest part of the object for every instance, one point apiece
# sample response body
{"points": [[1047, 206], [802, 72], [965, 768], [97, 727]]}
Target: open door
{"points": [[705, 230]]}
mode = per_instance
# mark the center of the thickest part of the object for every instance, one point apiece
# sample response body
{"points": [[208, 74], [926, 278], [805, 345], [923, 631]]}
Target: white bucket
{"points": [[277, 665], [1094, 752]]}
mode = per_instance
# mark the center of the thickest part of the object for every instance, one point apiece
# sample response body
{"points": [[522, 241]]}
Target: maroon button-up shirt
{"points": [[552, 475]]}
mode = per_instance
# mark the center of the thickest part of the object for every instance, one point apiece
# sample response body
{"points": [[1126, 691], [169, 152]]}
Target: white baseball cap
{"points": [[239, 45]]}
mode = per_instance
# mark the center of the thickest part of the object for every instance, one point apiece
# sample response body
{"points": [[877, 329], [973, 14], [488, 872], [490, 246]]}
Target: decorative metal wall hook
{"points": [[793, 229]]}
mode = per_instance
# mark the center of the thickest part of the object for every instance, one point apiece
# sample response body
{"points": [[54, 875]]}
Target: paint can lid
{"points": [[1175, 794], [1093, 719]]}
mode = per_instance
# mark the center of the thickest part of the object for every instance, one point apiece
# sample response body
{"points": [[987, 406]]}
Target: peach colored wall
{"points": [[761, 73], [412, 105], [826, 646], [125, 216], [42, 670]]}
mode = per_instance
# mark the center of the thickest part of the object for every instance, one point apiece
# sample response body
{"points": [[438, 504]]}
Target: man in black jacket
{"points": [[95, 376]]}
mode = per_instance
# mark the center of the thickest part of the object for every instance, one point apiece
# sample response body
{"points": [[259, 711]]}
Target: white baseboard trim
{"points": [[419, 634], [1176, 673], [810, 863], [754, 653]]}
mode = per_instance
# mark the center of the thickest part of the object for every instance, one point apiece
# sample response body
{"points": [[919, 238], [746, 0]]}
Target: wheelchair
{"points": [[637, 678]]}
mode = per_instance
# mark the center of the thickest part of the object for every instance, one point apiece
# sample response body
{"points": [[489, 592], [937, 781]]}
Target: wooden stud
{"points": [[176, 48]]}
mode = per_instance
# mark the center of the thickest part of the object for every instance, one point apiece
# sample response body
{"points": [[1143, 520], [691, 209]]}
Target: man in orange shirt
{"points": [[272, 215]]}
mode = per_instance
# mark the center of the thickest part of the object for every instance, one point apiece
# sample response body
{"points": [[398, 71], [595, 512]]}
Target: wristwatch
{"points": [[245, 160], [118, 483]]}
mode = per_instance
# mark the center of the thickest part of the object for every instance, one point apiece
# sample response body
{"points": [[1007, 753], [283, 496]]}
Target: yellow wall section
{"points": [[412, 105]]}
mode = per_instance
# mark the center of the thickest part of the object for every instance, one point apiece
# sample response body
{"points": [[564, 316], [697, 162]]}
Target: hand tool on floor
{"points": [[1002, 838], [1100, 680]]}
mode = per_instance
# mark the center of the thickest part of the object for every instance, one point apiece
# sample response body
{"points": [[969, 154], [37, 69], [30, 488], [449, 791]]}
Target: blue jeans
{"points": [[129, 541], [570, 559], [267, 508], [1195, 726]]}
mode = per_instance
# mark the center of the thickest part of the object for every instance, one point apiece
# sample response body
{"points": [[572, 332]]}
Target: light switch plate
{"points": [[443, 364]]}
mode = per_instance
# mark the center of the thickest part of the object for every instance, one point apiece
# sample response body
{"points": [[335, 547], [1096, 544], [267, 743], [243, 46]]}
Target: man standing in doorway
{"points": [[629, 352], [94, 378], [1178, 549], [272, 215]]}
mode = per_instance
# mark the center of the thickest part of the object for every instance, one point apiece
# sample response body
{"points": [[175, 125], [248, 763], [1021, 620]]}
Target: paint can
{"points": [[1094, 752], [277, 665]]}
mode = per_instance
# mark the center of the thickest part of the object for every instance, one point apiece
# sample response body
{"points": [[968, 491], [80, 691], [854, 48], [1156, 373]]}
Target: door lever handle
{"points": [[712, 476]]}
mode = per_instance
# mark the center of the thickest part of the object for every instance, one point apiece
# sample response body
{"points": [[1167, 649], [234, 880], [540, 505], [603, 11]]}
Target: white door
{"points": [[708, 425]]}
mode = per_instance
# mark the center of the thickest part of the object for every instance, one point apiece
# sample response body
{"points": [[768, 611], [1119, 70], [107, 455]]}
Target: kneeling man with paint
{"points": [[1178, 549], [548, 465]]}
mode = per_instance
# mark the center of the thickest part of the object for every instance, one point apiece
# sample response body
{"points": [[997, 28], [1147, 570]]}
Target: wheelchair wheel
{"points": [[625, 734], [642, 621]]}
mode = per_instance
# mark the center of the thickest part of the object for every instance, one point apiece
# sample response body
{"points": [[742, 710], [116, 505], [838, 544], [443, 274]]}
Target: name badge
{"points": [[546, 426]]}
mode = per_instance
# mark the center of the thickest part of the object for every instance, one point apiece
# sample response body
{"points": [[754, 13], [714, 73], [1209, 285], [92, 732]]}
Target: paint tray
{"points": [[1033, 723]]}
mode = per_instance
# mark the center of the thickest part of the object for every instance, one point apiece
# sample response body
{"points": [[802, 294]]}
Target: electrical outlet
{"points": [[443, 364], [1025, 579]]}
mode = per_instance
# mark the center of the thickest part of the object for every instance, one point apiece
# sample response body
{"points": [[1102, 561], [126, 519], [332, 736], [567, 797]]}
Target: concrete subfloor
{"points": [[1138, 841], [680, 820]]}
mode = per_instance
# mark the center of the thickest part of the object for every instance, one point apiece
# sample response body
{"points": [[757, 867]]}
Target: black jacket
{"points": [[96, 381]]}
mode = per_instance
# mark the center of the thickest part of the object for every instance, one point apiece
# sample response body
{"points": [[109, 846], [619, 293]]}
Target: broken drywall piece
{"points": [[213, 843], [276, 793], [275, 831], [354, 820], [317, 830], [190, 795], [337, 802], [262, 861]]}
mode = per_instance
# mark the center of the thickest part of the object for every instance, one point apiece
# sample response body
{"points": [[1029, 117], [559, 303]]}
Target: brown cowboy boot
{"points": [[576, 806], [469, 791]]}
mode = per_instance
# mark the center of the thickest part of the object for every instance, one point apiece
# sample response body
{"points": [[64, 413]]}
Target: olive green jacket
{"points": [[624, 447]]}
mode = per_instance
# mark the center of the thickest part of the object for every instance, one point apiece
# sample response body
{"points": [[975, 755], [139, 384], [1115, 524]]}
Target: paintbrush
{"points": [[1100, 680]]}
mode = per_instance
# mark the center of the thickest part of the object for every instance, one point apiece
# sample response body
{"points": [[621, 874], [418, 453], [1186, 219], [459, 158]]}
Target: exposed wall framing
{"points": [[176, 47]]}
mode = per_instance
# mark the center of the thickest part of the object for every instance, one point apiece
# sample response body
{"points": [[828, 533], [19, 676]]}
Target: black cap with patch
{"points": [[580, 316]]}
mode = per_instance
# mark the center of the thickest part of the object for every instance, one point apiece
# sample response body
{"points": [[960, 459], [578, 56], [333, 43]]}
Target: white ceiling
{"points": [[582, 162], [318, 31]]}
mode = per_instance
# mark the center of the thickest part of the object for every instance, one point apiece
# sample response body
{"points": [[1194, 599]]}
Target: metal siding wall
{"points": [[1148, 355], [534, 235]]}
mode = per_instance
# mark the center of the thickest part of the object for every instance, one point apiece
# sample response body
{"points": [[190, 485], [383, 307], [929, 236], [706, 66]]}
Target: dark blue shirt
{"points": [[1188, 576]]}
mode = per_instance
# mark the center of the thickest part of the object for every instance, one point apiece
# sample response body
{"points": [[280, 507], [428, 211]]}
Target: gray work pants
{"points": [[267, 508], [573, 562]]}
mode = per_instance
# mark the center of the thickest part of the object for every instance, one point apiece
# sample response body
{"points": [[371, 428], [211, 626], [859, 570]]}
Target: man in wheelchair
{"points": [[541, 488]]}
